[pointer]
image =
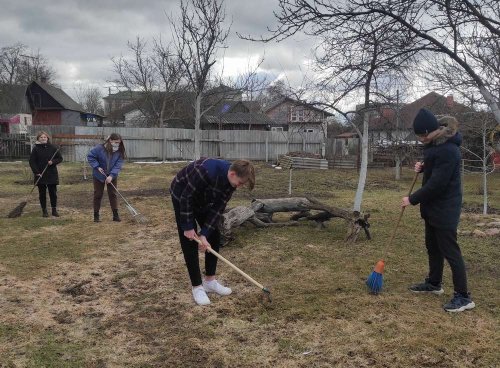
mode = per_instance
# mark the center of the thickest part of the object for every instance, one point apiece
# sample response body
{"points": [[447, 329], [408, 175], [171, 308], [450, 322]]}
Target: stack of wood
{"points": [[287, 162]]}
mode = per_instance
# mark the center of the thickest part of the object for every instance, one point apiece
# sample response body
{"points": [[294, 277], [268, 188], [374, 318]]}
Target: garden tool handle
{"points": [[115, 188], [403, 210], [196, 239]]}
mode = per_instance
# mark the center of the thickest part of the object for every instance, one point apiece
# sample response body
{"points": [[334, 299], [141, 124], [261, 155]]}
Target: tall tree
{"points": [[153, 71], [440, 27], [355, 59], [199, 34], [20, 65], [90, 98]]}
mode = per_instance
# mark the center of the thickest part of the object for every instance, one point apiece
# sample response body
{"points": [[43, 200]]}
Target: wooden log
{"points": [[260, 213]]}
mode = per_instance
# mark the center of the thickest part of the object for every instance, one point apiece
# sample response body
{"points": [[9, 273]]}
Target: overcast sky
{"points": [[79, 37]]}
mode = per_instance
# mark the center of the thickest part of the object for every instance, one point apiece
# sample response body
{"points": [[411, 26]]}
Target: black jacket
{"points": [[440, 196], [40, 156]]}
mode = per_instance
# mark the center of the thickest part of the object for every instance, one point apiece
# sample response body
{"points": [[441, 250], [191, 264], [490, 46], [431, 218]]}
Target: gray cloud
{"points": [[80, 37]]}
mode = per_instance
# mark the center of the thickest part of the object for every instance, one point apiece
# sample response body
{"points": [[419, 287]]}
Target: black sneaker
{"points": [[426, 287], [459, 303]]}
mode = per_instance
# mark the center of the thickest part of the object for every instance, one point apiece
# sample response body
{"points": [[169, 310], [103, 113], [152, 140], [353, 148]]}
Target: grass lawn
{"points": [[78, 294]]}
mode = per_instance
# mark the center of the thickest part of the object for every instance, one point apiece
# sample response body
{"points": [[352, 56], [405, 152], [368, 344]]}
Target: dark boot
{"points": [[44, 212], [96, 217], [115, 216], [54, 212]]}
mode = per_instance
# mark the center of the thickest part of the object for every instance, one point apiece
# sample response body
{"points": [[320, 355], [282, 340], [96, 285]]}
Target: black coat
{"points": [[40, 156], [440, 196]]}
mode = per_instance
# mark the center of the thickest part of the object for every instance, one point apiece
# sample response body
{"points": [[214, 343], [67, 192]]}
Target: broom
{"points": [[18, 211], [375, 280]]}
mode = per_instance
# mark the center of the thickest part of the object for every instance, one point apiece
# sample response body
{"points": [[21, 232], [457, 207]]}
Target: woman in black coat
{"points": [[46, 155]]}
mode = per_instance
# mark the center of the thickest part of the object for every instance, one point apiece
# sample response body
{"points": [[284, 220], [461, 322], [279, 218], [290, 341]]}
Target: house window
{"points": [[276, 129], [297, 113], [308, 130], [37, 100]]}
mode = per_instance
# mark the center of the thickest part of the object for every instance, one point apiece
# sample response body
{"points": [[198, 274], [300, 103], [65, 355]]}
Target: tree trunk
{"points": [[492, 103], [260, 212], [364, 165], [398, 167], [197, 131]]}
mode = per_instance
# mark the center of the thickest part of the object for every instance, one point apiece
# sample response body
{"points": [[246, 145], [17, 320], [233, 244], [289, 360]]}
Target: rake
{"points": [[266, 296], [18, 210], [139, 218], [375, 279]]}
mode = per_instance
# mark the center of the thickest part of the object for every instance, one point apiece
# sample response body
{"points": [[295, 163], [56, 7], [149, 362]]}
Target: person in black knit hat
{"points": [[440, 199]]}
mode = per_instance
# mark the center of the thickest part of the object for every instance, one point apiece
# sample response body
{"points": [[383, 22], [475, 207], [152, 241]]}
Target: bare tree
{"points": [[199, 35], [156, 73], [355, 58], [438, 27], [90, 98], [19, 65], [478, 126]]}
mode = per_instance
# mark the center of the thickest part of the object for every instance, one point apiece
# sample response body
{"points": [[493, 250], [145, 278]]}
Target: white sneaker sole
{"points": [[471, 305], [221, 294], [437, 292]]}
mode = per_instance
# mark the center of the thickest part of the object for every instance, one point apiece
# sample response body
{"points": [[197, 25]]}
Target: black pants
{"points": [[190, 248], [42, 194], [442, 244]]}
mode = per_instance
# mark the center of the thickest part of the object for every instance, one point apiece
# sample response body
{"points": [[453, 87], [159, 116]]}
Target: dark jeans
{"points": [[442, 244], [99, 192], [42, 194], [190, 248]]}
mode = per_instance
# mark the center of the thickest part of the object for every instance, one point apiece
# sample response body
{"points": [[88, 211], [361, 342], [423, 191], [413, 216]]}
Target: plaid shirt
{"points": [[202, 187]]}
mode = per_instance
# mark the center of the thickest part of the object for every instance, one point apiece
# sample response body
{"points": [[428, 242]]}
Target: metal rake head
{"points": [[140, 219]]}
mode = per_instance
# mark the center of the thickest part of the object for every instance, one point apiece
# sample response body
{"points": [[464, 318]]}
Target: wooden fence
{"points": [[14, 146], [178, 144]]}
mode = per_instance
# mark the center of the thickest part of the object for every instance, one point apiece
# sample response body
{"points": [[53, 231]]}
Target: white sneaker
{"points": [[214, 287], [200, 296]]}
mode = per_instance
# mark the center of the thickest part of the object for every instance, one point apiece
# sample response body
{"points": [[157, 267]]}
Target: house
{"points": [[294, 115], [117, 101], [157, 109], [387, 124], [52, 106], [237, 115], [175, 110], [15, 112]]}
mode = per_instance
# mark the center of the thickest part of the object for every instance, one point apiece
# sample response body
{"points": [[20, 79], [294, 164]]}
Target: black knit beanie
{"points": [[425, 122]]}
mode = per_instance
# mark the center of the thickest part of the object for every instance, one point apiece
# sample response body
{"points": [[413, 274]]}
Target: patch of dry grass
{"points": [[136, 309]]}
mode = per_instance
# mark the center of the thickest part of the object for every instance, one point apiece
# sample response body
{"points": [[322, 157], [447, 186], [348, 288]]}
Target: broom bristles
{"points": [[376, 279], [16, 212], [375, 282]]}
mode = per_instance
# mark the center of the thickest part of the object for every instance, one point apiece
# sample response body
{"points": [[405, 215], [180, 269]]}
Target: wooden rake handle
{"points": [[402, 211], [196, 239]]}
